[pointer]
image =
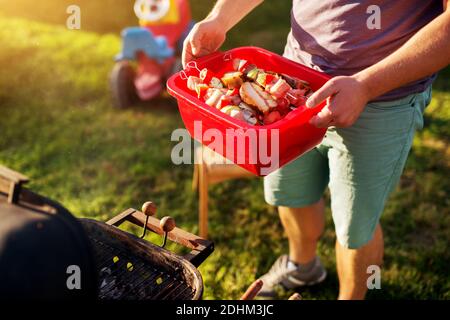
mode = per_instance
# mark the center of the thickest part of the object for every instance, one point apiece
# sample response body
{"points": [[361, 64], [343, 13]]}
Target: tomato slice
{"points": [[233, 92]]}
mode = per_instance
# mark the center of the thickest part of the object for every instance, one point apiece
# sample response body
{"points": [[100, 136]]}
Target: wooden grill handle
{"points": [[200, 248]]}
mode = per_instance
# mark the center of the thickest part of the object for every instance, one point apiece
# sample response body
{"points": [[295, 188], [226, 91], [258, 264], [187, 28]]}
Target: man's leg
{"points": [[352, 266], [303, 226], [366, 162], [297, 189]]}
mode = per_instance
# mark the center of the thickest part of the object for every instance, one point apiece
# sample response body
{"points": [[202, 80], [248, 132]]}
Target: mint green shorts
{"points": [[361, 165]]}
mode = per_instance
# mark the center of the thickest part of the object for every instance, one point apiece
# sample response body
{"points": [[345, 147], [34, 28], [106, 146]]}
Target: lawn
{"points": [[58, 127]]}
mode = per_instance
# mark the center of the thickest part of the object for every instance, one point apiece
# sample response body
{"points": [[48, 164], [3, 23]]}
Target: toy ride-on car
{"points": [[151, 52]]}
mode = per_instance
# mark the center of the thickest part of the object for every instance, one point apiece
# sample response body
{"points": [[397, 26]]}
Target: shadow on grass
{"points": [[164, 104], [415, 223]]}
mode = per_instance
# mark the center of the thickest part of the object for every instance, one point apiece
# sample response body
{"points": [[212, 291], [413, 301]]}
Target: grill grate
{"points": [[123, 276]]}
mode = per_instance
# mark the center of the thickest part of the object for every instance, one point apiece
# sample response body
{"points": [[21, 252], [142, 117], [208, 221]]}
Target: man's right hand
{"points": [[205, 37]]}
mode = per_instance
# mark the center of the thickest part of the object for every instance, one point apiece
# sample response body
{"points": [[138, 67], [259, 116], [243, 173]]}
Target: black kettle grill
{"points": [[40, 240]]}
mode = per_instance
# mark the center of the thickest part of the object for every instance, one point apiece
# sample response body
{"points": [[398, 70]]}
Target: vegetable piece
{"points": [[216, 83], [243, 65], [214, 98], [206, 75], [201, 90], [296, 97], [265, 79], [292, 81], [237, 114], [236, 63], [249, 117], [248, 109], [234, 95], [193, 82], [233, 92], [261, 79], [280, 88], [234, 112], [272, 117], [283, 106], [224, 101], [232, 79], [240, 65], [245, 106], [248, 67], [253, 73], [209, 93], [228, 109], [236, 100]]}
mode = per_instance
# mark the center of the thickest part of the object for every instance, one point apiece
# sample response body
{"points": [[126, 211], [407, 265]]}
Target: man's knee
{"points": [[356, 237], [309, 219]]}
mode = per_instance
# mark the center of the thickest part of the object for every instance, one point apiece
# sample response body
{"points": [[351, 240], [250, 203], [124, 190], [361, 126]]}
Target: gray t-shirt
{"points": [[333, 35]]}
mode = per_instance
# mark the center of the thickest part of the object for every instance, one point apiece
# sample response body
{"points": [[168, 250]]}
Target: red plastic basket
{"points": [[251, 147]]}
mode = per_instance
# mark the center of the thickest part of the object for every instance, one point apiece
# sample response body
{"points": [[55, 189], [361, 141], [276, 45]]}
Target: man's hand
{"points": [[346, 98], [206, 37]]}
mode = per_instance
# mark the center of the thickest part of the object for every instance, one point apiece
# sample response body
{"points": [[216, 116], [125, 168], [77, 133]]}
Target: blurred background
{"points": [[58, 127]]}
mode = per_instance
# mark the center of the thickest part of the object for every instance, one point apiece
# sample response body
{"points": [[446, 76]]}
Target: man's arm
{"points": [[425, 53], [208, 35], [230, 12]]}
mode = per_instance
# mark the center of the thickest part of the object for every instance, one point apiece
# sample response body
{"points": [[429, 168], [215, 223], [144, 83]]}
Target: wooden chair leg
{"points": [[203, 201], [195, 179]]}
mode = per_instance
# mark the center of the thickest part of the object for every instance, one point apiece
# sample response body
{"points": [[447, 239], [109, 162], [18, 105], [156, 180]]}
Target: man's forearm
{"points": [[424, 54], [230, 12]]}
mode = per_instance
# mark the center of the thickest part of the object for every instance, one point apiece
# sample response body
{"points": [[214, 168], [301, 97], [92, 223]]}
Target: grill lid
{"points": [[39, 241]]}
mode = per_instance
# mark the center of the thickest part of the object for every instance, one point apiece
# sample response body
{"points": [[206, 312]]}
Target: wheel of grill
{"points": [[122, 85]]}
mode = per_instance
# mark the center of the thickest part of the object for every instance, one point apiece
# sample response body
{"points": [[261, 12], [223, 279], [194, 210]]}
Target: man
{"points": [[383, 73]]}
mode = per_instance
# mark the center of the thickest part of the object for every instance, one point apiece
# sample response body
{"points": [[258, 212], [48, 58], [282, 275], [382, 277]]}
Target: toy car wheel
{"points": [[122, 85]]}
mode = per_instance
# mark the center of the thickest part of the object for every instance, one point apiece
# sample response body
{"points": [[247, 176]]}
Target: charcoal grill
{"points": [[127, 267], [132, 268]]}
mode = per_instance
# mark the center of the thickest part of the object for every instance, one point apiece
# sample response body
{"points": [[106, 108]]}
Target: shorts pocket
{"points": [[387, 119]]}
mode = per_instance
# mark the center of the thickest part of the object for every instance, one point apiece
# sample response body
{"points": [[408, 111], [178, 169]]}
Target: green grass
{"points": [[57, 126]]}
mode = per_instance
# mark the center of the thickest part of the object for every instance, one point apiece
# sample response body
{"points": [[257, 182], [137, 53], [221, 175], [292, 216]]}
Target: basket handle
{"points": [[194, 63], [201, 60]]}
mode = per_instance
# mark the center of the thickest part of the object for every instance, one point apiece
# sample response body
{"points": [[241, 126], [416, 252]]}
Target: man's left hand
{"points": [[346, 98]]}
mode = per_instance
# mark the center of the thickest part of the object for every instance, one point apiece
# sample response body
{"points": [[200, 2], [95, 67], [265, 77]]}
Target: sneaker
{"points": [[287, 276]]}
